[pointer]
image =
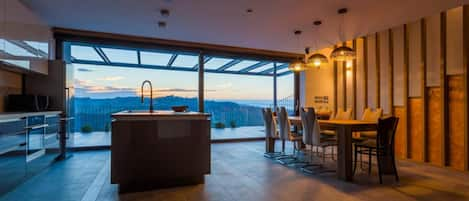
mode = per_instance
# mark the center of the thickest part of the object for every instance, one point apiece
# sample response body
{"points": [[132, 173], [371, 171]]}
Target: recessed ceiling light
{"points": [[249, 10], [164, 12], [161, 24]]}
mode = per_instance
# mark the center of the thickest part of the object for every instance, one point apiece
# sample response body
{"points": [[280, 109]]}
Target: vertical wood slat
{"points": [[378, 71], [423, 69], [344, 81], [391, 71], [335, 83], [406, 90], [466, 83], [354, 81], [444, 90], [365, 70]]}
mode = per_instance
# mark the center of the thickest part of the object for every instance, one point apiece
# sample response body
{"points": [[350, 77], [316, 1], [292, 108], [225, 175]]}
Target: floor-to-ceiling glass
{"points": [[108, 79], [101, 90]]}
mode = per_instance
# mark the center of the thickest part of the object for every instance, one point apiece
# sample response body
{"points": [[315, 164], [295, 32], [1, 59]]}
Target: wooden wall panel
{"points": [[415, 59], [384, 71], [360, 78], [456, 122], [443, 141], [340, 88], [454, 41], [433, 50], [398, 65], [400, 144], [349, 81], [415, 129], [371, 71], [434, 126]]}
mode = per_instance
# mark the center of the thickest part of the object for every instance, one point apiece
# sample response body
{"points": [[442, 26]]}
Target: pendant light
{"points": [[343, 53], [317, 59], [299, 64]]}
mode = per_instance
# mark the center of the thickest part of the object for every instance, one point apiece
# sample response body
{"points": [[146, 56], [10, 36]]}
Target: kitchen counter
{"points": [[17, 115], [159, 149], [158, 115]]}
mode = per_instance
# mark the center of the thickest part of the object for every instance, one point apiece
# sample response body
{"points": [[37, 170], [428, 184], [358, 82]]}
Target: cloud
{"points": [[112, 78], [84, 70], [225, 85], [87, 88]]}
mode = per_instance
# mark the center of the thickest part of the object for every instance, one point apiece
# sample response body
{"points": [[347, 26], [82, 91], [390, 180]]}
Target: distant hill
{"points": [[96, 113]]}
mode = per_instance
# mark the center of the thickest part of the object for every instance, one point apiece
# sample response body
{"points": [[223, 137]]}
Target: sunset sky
{"points": [[108, 82]]}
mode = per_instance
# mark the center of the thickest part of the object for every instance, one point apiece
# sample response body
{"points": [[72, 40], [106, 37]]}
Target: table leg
{"points": [[269, 145], [344, 153]]}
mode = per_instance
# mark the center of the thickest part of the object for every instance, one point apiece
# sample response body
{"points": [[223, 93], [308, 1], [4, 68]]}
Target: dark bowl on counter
{"points": [[182, 108]]}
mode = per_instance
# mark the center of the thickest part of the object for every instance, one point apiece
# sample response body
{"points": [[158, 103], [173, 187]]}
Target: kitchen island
{"points": [[159, 149]]}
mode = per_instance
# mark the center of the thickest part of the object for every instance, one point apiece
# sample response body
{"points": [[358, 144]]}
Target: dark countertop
{"points": [[16, 115], [159, 115]]}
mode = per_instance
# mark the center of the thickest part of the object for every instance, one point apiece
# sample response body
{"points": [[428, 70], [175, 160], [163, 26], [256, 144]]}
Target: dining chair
{"points": [[340, 115], [312, 137], [369, 115], [286, 134], [270, 130], [382, 148]]}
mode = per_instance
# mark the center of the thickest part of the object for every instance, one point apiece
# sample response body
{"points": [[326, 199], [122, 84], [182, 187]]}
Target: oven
{"points": [[35, 129]]}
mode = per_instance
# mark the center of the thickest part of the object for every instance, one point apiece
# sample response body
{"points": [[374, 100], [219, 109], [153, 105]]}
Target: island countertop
{"points": [[159, 115]]}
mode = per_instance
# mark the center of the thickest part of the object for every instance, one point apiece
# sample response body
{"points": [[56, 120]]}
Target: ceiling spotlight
{"points": [[161, 24], [164, 12], [249, 10]]}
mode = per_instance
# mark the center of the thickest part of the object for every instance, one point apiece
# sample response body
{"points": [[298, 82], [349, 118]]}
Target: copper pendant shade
{"points": [[316, 60], [297, 66], [343, 53]]}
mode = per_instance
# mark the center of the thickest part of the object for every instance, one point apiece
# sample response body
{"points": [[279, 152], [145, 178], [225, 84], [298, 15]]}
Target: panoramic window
{"points": [[235, 103], [103, 90], [108, 80]]}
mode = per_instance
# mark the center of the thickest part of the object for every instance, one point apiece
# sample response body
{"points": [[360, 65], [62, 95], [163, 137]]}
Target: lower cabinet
{"points": [[12, 154], [27, 146]]}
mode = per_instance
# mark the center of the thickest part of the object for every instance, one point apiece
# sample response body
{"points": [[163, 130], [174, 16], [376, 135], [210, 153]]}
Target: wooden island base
{"points": [[159, 150]]}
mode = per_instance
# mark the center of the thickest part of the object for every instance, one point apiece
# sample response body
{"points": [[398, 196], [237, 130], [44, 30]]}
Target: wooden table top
{"points": [[297, 119]]}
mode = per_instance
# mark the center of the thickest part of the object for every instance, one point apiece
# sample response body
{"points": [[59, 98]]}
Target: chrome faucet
{"points": [[151, 94]]}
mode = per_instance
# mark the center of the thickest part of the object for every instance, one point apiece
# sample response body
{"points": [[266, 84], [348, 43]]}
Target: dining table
{"points": [[344, 130]]}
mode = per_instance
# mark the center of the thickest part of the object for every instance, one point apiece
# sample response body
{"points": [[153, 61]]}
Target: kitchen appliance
{"points": [[35, 129], [27, 103], [58, 86]]}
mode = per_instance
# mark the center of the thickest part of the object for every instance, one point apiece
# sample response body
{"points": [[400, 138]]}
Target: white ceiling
{"points": [[225, 22]]}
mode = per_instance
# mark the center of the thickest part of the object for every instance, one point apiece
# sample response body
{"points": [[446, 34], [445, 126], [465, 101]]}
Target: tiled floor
{"points": [[240, 172], [104, 138]]}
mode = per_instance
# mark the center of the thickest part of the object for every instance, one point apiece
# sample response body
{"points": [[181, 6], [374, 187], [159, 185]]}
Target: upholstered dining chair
{"points": [[312, 137], [270, 130], [382, 148], [286, 134], [369, 115], [339, 115]]}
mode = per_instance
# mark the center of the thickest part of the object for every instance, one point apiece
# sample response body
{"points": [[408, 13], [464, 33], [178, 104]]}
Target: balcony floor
{"points": [[240, 172]]}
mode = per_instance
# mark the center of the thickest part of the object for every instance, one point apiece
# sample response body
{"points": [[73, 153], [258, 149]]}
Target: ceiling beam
{"points": [[229, 64], [159, 67], [278, 68], [206, 59], [171, 60], [74, 35], [252, 67], [102, 55]]}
